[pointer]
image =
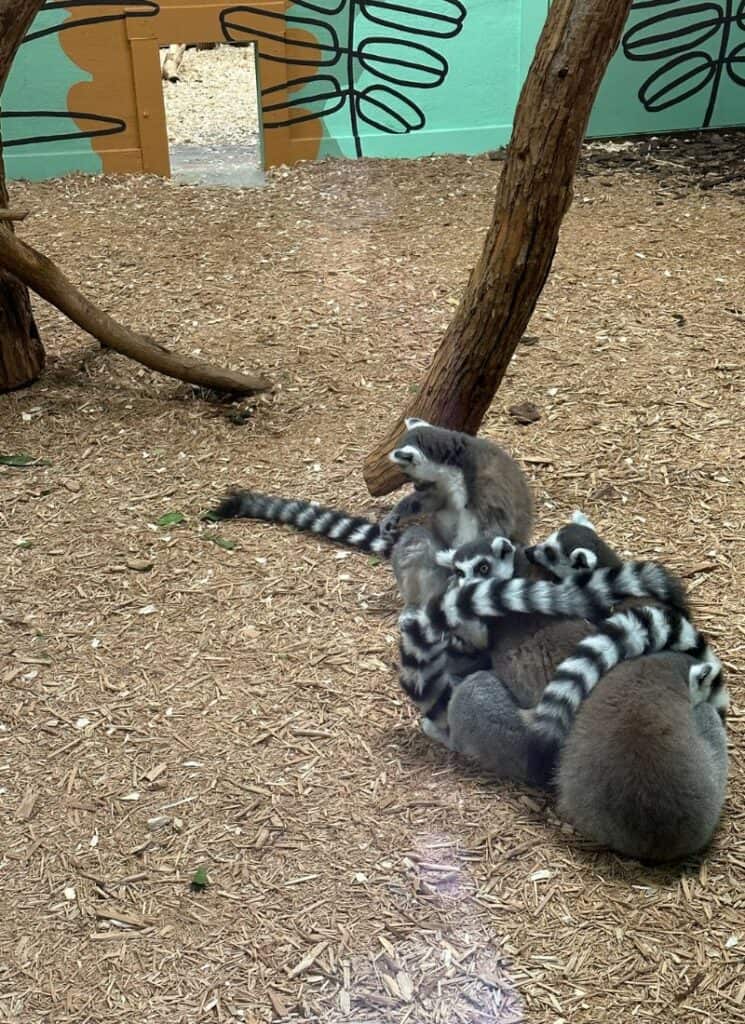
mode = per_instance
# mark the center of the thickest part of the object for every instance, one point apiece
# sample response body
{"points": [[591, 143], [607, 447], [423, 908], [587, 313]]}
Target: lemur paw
{"points": [[434, 732], [390, 525]]}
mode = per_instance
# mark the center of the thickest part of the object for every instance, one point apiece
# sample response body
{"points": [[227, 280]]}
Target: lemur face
{"points": [[430, 454], [479, 560], [412, 461], [568, 550]]}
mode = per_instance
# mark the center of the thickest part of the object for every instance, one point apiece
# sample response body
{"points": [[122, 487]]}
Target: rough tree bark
{"points": [[534, 193], [21, 350]]}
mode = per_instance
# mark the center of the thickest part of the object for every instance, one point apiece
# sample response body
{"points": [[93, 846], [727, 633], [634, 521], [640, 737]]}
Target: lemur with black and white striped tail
{"points": [[643, 769], [466, 486]]}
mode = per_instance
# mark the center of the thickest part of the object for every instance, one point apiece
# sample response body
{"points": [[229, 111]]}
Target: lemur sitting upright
{"points": [[466, 486]]}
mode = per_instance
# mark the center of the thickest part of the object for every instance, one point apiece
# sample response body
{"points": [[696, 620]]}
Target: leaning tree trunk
{"points": [[21, 350], [534, 193]]}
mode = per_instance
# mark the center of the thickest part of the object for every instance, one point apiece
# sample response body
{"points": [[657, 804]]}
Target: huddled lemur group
{"points": [[502, 647]]}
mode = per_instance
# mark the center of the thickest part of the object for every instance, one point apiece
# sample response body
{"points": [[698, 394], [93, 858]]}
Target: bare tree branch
{"points": [[46, 279]]}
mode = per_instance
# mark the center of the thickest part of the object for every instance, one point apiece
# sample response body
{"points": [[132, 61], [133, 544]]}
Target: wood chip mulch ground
{"points": [[177, 697]]}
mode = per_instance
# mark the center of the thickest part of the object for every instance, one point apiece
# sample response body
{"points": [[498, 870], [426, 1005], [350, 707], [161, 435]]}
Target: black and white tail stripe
{"points": [[589, 595], [352, 531], [423, 672], [629, 634], [427, 633]]}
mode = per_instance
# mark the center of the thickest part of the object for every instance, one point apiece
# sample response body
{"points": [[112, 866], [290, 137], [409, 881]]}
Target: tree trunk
{"points": [[534, 193], [21, 350]]}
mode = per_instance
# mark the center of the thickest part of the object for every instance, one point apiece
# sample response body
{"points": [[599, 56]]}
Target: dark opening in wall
{"points": [[212, 114]]}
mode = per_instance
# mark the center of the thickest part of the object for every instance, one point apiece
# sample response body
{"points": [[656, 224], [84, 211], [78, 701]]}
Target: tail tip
{"points": [[543, 756], [231, 507]]}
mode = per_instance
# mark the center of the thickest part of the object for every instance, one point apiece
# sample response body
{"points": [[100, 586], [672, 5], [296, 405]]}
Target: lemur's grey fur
{"points": [[465, 486], [643, 770], [630, 634], [573, 548]]}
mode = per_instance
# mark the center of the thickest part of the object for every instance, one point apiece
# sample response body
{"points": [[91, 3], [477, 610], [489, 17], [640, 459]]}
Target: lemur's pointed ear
{"points": [[502, 547], [700, 672], [445, 558], [583, 560], [412, 422], [581, 520]]}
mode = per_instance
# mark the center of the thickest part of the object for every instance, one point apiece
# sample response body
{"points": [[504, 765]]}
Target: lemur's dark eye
{"points": [[483, 568], [550, 554], [460, 573]]}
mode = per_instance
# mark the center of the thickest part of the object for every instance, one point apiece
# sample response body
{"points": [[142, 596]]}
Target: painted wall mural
{"points": [[381, 78], [364, 61], [676, 38]]}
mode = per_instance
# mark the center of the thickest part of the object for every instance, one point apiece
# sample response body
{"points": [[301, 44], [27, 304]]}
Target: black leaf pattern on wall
{"points": [[398, 62], [676, 34], [97, 124]]}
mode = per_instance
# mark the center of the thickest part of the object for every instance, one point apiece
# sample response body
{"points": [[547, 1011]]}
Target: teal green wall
{"points": [[40, 79], [482, 60], [448, 71], [676, 47]]}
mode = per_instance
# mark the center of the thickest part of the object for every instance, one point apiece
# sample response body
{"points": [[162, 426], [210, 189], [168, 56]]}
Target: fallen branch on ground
{"points": [[39, 273]]}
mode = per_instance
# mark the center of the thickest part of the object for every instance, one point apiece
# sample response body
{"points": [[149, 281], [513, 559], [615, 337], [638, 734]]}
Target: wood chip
{"points": [[27, 806]]}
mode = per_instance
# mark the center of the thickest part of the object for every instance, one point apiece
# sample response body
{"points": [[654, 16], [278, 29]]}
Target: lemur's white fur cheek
{"points": [[412, 423], [502, 547], [406, 455]]}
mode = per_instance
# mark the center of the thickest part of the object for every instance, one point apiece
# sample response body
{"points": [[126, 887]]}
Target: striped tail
{"points": [[486, 600], [586, 595], [629, 634], [641, 579], [352, 531], [424, 674]]}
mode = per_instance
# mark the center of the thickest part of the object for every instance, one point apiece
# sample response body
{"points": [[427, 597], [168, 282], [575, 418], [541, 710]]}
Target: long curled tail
{"points": [[352, 531], [629, 634], [587, 595], [423, 672]]}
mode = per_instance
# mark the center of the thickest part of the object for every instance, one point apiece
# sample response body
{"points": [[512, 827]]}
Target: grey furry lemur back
{"points": [[643, 767]]}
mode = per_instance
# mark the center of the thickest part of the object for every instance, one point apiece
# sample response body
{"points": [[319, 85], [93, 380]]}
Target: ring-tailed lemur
{"points": [[426, 663], [589, 595], [643, 771], [573, 548], [633, 633], [630, 634], [426, 631], [426, 677], [465, 486]]}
